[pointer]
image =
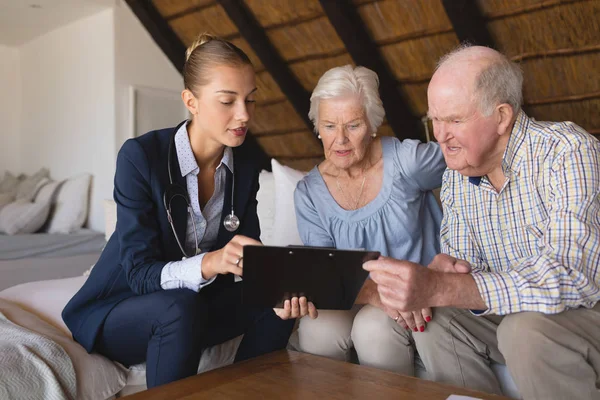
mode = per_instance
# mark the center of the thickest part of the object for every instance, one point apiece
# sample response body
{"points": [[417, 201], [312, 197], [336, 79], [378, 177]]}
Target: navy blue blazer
{"points": [[143, 242]]}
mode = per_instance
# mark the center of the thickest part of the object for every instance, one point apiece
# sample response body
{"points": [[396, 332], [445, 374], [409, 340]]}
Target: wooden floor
{"points": [[291, 375]]}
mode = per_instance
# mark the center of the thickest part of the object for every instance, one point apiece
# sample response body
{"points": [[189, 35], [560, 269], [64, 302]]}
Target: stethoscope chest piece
{"points": [[231, 222]]}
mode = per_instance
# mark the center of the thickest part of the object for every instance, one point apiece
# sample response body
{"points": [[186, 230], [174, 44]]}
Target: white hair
{"points": [[501, 81], [348, 81]]}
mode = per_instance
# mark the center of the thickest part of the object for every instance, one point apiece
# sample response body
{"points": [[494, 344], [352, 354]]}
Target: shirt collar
{"points": [[514, 152], [185, 155], [515, 148]]}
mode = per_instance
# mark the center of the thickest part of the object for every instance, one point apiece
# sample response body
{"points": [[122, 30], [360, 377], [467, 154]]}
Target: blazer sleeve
{"points": [[141, 252]]}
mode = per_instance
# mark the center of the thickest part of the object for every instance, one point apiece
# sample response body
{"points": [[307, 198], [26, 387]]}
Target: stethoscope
{"points": [[231, 221]]}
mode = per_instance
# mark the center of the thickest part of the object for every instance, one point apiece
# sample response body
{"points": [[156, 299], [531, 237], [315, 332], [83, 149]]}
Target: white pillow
{"points": [[266, 206], [110, 218], [21, 217], [98, 378], [286, 229], [29, 186], [71, 207], [5, 199], [9, 183]]}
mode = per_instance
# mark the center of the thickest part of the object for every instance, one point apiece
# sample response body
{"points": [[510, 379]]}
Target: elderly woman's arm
{"points": [[423, 162], [310, 226]]}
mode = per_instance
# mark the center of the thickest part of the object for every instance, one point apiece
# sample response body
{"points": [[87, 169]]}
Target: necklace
{"points": [[349, 198]]}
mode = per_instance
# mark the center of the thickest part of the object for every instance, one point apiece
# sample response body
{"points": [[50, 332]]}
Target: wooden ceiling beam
{"points": [[468, 22], [256, 37], [173, 47], [351, 29], [189, 11]]}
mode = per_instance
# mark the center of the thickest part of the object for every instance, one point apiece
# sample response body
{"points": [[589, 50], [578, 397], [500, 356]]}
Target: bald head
{"points": [[470, 57], [485, 75], [474, 98]]}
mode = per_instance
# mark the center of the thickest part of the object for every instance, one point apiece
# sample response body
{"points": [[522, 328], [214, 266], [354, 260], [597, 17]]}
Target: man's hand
{"points": [[403, 286], [449, 264]]}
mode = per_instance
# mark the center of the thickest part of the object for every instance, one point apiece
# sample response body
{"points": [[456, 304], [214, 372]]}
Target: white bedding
{"points": [[33, 366]]}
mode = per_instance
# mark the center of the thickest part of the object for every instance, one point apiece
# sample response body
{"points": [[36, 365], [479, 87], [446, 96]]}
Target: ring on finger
{"points": [[397, 318], [237, 263]]}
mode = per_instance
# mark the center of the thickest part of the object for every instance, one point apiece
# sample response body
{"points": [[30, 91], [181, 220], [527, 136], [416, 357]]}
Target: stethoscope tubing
{"points": [[229, 225]]}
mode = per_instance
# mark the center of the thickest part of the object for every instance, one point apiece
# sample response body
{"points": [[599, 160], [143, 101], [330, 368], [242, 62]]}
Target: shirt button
{"points": [[203, 224]]}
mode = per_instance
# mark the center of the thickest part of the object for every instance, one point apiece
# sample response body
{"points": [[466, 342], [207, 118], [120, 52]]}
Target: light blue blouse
{"points": [[402, 222]]}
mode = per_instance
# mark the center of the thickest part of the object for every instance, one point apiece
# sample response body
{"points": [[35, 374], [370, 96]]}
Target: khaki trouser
{"points": [[549, 356], [379, 341]]}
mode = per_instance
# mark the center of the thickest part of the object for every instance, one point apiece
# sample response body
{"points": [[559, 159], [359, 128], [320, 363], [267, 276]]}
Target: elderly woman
{"points": [[372, 193]]}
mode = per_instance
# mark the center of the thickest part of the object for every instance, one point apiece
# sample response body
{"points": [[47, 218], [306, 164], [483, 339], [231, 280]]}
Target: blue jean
{"points": [[169, 329]]}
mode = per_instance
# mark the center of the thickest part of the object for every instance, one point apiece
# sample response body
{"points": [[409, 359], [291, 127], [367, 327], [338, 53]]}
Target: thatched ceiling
{"points": [[293, 42]]}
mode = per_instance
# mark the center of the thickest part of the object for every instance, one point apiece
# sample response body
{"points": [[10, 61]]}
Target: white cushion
{"points": [[286, 229], [29, 186], [110, 218], [9, 183], [21, 217], [97, 377], [5, 199], [71, 207], [266, 206]]}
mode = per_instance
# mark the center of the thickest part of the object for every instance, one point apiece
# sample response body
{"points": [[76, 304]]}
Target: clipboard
{"points": [[330, 278]]}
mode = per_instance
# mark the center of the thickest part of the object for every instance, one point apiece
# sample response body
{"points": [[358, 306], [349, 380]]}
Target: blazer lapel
{"points": [[179, 207]]}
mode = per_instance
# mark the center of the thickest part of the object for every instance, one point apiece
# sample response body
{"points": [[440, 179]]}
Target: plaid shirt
{"points": [[535, 244]]}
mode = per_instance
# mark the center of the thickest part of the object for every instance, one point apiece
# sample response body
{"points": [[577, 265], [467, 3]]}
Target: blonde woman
{"points": [[371, 193], [164, 288]]}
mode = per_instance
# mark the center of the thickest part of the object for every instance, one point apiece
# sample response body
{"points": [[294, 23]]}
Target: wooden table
{"points": [[292, 375]]}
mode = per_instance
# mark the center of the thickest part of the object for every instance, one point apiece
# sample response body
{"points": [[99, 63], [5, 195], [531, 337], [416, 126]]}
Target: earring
{"points": [[318, 136], [374, 134]]}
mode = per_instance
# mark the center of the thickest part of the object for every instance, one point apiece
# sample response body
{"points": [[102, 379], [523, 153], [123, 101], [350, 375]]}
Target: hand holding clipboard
{"points": [[329, 278]]}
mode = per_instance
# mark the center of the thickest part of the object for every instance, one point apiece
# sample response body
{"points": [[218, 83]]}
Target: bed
{"points": [[41, 256], [41, 234]]}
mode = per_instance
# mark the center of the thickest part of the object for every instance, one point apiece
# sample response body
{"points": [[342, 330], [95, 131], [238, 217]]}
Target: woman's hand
{"points": [[415, 321], [297, 308], [229, 259]]}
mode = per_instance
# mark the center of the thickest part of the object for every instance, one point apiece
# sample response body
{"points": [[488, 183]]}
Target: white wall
{"points": [[66, 96], [10, 109], [139, 62], [68, 91]]}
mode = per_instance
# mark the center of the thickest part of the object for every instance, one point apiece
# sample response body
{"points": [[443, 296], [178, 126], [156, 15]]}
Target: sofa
{"points": [[46, 299]]}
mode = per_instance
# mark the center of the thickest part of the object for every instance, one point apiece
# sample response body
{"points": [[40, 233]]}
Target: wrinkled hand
{"points": [[449, 264], [227, 259], [415, 321], [402, 285], [297, 308]]}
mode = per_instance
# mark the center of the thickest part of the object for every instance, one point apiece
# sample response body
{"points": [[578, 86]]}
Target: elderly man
{"points": [[519, 279]]}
